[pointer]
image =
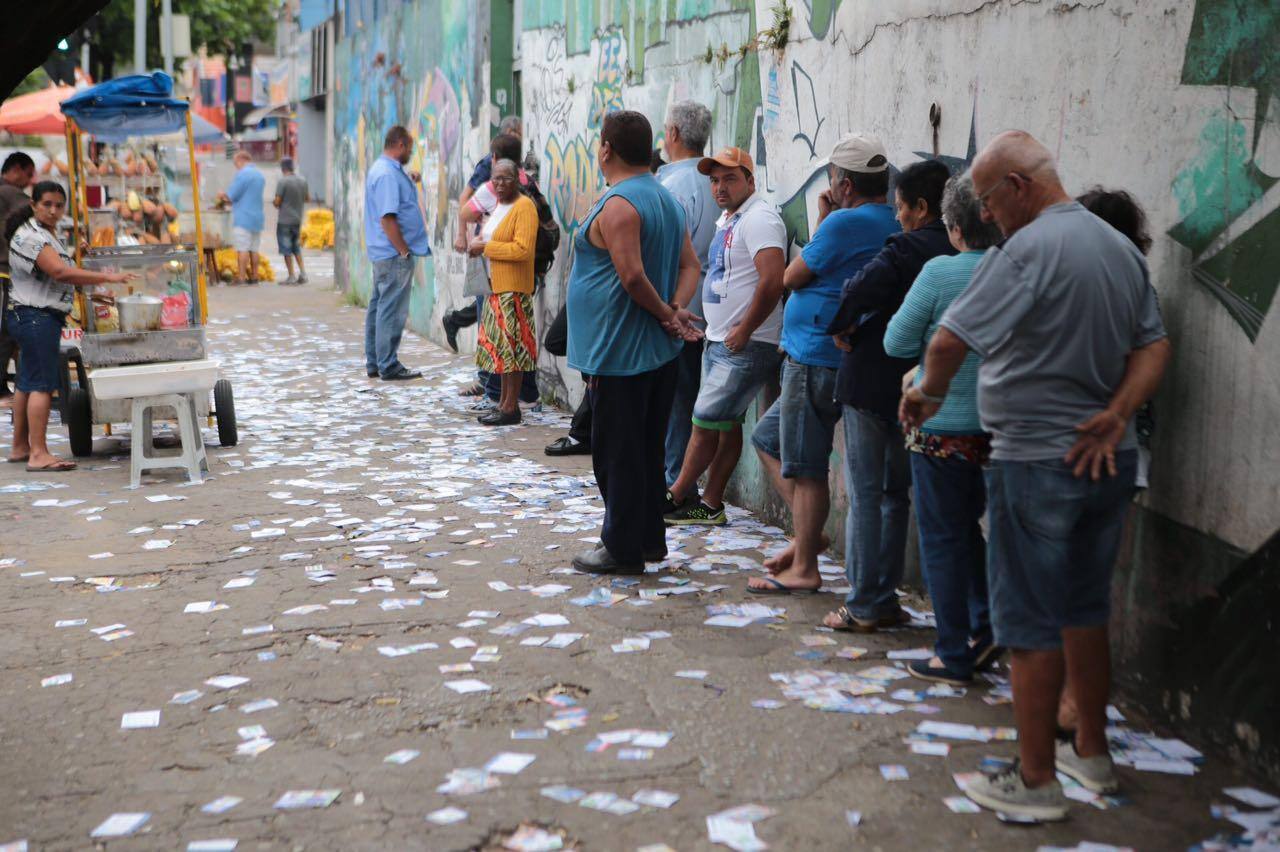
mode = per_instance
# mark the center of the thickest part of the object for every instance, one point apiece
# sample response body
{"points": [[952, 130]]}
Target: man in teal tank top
{"points": [[634, 272]]}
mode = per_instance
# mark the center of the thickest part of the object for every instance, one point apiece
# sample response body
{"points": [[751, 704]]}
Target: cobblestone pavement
{"points": [[311, 617]]}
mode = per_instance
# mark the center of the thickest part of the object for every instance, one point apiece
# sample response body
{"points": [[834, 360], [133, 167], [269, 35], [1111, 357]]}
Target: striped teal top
{"points": [[939, 283]]}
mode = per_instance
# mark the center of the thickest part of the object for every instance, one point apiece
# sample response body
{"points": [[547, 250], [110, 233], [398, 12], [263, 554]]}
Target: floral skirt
{"points": [[507, 340]]}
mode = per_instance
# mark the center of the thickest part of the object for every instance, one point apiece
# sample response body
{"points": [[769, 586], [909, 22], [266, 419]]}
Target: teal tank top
{"points": [[609, 334]]}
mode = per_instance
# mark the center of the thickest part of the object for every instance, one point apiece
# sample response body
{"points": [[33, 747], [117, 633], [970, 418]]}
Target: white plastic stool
{"points": [[143, 455]]}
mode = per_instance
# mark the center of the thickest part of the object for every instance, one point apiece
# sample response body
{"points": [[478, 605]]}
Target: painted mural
{"points": [[1231, 216], [415, 65]]}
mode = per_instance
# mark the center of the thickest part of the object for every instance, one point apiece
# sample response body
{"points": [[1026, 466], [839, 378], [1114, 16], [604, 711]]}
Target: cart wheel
{"points": [[79, 419], [224, 408]]}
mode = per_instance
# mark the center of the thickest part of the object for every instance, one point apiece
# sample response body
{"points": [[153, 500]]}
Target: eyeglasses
{"points": [[982, 199], [497, 180]]}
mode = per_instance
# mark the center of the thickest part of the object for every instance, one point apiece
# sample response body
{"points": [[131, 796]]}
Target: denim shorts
{"points": [[39, 335], [798, 429], [731, 381], [287, 239], [1052, 546]]}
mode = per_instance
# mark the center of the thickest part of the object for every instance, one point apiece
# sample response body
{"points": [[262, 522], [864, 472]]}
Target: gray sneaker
{"points": [[302, 278], [1097, 773], [1006, 793]]}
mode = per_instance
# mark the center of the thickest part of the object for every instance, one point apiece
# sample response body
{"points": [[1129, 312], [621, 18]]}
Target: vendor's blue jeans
{"points": [[877, 476], [950, 499], [680, 424], [388, 309]]}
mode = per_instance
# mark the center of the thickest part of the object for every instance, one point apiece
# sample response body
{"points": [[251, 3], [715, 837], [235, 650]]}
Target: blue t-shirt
{"points": [[842, 245], [387, 189], [692, 191], [481, 173], [609, 334], [245, 193]]}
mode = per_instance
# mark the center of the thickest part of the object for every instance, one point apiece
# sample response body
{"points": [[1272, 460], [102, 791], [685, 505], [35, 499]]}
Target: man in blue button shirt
{"points": [[245, 197], [394, 234]]}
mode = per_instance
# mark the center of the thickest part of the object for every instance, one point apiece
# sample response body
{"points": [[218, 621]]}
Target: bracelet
{"points": [[936, 400]]}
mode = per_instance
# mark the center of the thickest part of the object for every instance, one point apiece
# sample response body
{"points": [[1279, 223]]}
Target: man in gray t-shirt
{"points": [[1067, 324], [290, 199]]}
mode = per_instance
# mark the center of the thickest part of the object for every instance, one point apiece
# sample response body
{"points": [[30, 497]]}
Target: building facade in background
{"points": [[1175, 101]]}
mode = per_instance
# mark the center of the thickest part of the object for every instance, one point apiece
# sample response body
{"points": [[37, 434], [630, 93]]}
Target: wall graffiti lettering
{"points": [[571, 179], [606, 89]]}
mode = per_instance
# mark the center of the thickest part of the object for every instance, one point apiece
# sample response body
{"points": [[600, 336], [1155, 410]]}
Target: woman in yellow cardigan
{"points": [[508, 345]]}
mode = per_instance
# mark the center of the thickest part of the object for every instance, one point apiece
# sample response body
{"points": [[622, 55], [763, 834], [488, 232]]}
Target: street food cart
{"points": [[160, 318]]}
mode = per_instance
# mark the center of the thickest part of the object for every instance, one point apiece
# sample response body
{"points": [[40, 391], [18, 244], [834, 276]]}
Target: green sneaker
{"points": [[671, 506], [698, 513]]}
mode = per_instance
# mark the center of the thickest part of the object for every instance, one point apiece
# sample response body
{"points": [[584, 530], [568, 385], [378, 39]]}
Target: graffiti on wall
{"points": [[1230, 204], [606, 87], [570, 179], [412, 65]]}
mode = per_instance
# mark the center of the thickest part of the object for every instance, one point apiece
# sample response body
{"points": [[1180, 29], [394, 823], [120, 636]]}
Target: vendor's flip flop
{"points": [[59, 466], [777, 588]]}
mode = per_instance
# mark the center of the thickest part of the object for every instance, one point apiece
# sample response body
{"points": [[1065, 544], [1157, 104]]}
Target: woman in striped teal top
{"points": [[948, 453]]}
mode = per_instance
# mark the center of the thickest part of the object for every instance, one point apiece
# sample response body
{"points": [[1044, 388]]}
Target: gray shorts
{"points": [[1052, 546]]}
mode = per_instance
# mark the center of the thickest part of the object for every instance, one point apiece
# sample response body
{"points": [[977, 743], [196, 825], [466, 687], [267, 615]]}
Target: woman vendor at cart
{"points": [[42, 290]]}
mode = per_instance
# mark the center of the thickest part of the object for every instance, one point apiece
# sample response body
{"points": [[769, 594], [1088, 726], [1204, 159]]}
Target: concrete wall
{"points": [[1175, 101]]}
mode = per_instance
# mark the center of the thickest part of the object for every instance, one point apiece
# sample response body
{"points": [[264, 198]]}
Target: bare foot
{"points": [[775, 565], [790, 579], [49, 462]]}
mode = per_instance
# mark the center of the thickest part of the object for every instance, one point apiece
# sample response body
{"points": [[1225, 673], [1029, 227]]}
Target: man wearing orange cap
{"points": [[744, 322]]}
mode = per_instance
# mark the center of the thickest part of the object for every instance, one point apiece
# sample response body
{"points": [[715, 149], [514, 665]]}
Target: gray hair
{"points": [[511, 164], [962, 209], [511, 124], [693, 120]]}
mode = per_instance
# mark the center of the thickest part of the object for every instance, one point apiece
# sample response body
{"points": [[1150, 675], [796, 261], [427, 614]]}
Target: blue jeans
{"points": [[38, 333], [798, 429], [950, 499], [1054, 542], [877, 476], [388, 309], [680, 424], [731, 381]]}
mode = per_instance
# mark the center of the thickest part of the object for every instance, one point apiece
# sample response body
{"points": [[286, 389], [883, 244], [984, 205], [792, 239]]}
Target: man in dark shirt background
{"points": [[15, 176]]}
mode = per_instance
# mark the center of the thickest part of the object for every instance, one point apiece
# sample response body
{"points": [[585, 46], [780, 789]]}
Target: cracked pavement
{"points": [[434, 489]]}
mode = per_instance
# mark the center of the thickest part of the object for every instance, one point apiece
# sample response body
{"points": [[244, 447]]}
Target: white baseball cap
{"points": [[858, 153]]}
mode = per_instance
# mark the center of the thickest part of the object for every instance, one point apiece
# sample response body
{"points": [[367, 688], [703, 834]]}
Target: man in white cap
{"points": [[794, 437]]}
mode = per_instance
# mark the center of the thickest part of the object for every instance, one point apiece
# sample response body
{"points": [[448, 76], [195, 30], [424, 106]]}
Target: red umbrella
{"points": [[36, 113]]}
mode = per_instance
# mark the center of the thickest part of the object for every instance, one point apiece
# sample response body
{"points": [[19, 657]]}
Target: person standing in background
{"points": [[245, 197], [291, 197], [15, 176], [394, 234], [688, 128]]}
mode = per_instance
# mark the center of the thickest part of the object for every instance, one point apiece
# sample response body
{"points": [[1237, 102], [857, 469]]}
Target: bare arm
{"points": [[618, 226], [770, 266], [391, 227], [690, 269], [1102, 433], [942, 360], [468, 215], [798, 274], [59, 270]]}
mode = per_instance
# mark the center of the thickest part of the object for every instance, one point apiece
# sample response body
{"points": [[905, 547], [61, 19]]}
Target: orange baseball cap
{"points": [[730, 157]]}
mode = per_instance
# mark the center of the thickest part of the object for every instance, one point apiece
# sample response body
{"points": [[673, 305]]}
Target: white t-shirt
{"points": [[30, 285], [731, 269], [496, 215]]}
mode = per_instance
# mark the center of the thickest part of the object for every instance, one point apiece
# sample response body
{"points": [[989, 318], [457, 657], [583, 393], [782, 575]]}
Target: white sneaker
{"points": [[302, 278], [289, 282], [1097, 773], [1006, 792]]}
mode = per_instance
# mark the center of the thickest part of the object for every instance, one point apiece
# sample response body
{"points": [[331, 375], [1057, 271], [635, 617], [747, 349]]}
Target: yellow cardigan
{"points": [[510, 252]]}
